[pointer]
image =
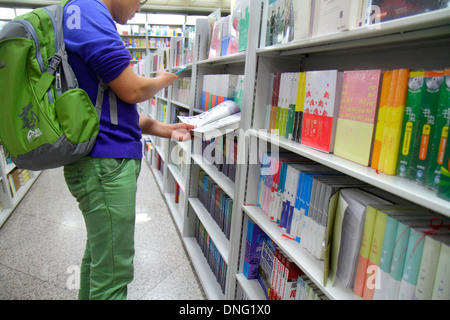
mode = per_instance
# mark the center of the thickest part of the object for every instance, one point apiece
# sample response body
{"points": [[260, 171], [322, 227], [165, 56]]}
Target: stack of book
{"points": [[181, 90], [279, 277], [218, 88], [215, 260], [344, 222], [222, 153], [216, 202], [287, 21], [395, 121]]}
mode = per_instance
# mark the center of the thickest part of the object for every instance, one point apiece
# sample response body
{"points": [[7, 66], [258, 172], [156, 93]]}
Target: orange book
{"points": [[385, 89], [207, 101], [387, 120], [396, 125]]}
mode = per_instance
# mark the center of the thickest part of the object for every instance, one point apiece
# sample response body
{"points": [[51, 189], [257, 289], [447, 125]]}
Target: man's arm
{"points": [[132, 88], [176, 131]]}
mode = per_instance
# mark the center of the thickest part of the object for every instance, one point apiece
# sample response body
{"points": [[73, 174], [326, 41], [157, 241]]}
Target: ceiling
{"points": [[153, 6]]}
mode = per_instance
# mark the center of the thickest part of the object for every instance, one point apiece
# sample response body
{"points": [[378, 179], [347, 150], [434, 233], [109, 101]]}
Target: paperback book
{"points": [[321, 109], [357, 115]]}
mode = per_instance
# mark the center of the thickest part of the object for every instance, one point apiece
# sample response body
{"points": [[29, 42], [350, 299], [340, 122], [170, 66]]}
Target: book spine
{"points": [[396, 122], [382, 113]]}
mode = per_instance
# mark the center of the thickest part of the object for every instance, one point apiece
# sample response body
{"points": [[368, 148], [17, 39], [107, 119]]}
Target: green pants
{"points": [[106, 193]]}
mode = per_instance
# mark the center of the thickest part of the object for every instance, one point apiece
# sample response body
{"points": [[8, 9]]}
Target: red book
{"points": [[321, 109]]}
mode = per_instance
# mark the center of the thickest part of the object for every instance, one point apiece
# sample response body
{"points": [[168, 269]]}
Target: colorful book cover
{"points": [[396, 122], [416, 86], [322, 96], [427, 127], [389, 10], [382, 111], [444, 180], [364, 251], [275, 22], [397, 261], [439, 139], [253, 246], [244, 24], [292, 99], [357, 115], [387, 120], [274, 101], [266, 265], [299, 107]]}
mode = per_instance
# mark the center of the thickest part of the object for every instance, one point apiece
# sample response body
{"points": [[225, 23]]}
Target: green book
{"points": [[426, 127], [444, 180], [416, 86], [440, 137]]}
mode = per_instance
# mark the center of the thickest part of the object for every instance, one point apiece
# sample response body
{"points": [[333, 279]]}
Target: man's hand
{"points": [[165, 78], [176, 131], [181, 131]]}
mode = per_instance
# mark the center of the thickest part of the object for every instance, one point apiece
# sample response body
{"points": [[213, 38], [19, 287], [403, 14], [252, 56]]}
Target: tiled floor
{"points": [[42, 243]]}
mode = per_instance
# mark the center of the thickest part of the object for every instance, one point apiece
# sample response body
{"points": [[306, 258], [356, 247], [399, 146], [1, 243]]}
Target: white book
{"points": [[441, 289], [428, 266], [302, 19], [331, 16]]}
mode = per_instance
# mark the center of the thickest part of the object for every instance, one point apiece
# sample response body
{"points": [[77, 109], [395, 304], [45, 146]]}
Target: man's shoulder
{"points": [[90, 6]]}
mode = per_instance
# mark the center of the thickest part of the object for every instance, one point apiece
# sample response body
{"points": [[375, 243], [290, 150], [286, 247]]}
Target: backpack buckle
{"points": [[54, 63]]}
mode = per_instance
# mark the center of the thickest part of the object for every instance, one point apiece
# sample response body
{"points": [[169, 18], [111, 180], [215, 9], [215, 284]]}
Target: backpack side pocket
{"points": [[77, 116]]}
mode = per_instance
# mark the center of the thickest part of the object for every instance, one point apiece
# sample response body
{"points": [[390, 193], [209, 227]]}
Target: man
{"points": [[104, 183]]}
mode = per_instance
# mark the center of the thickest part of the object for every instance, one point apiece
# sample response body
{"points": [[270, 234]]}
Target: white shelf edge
{"points": [[158, 177], [232, 58], [222, 180], [252, 288], [396, 185], [159, 149], [174, 210], [179, 178], [309, 265], [407, 24], [214, 231], [180, 104], [204, 273]]}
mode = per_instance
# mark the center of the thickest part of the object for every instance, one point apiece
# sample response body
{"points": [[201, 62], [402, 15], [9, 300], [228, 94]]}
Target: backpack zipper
{"points": [[33, 34], [56, 35]]}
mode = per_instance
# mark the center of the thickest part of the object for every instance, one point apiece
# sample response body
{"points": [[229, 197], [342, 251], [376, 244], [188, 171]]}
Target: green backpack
{"points": [[46, 121]]}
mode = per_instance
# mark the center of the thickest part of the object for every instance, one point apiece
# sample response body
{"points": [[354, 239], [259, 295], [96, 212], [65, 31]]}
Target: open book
{"points": [[216, 121]]}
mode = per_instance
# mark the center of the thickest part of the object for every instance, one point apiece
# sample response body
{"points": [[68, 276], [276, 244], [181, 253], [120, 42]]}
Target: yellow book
{"points": [[385, 89], [387, 120], [299, 106], [364, 251], [375, 251], [357, 115], [395, 129]]}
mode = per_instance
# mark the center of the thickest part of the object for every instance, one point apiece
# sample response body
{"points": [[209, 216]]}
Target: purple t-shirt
{"points": [[94, 47]]}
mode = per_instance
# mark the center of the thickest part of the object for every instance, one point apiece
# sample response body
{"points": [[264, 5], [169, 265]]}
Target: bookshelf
{"points": [[420, 41], [14, 184]]}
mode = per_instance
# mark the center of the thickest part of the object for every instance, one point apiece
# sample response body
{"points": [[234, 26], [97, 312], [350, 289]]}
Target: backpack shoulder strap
{"points": [[102, 87], [113, 114]]}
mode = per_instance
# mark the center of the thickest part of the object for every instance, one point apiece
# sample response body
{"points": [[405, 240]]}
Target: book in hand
{"points": [[226, 115]]}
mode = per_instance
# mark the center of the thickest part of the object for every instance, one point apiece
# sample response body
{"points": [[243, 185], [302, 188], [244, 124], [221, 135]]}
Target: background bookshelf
{"points": [[14, 184]]}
